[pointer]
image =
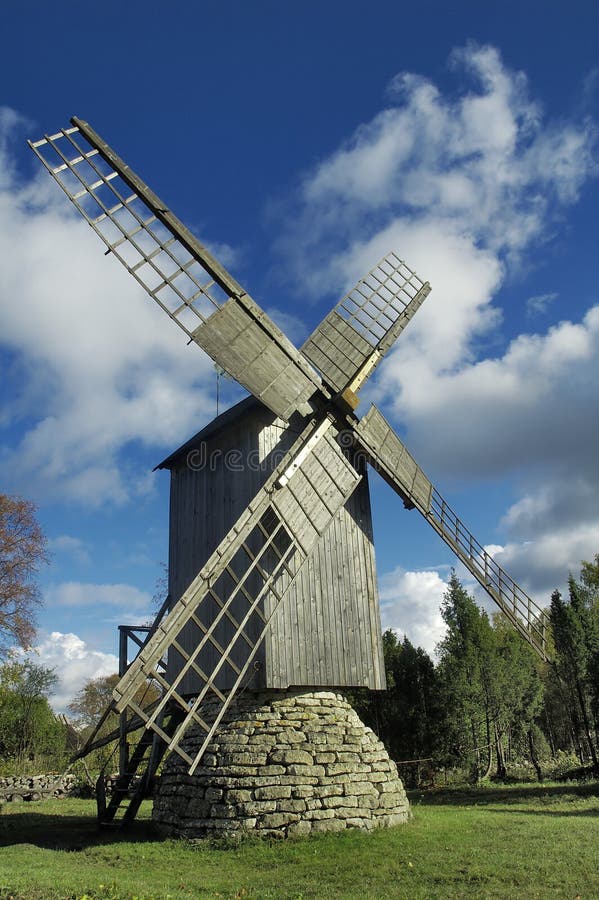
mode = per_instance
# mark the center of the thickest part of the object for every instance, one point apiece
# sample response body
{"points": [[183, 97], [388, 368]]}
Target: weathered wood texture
{"points": [[365, 322], [327, 631]]}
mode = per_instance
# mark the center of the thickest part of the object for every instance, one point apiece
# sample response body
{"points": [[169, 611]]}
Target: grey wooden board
{"points": [[327, 630], [389, 455], [337, 350], [408, 314], [237, 342]]}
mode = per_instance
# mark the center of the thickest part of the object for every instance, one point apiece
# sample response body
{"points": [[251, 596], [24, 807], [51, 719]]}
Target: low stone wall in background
{"points": [[14, 788]]}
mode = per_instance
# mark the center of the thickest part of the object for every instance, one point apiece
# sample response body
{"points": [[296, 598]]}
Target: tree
{"points": [[491, 685], [519, 696], [94, 699], [28, 727], [466, 656], [406, 715], [92, 702], [22, 551], [576, 636]]}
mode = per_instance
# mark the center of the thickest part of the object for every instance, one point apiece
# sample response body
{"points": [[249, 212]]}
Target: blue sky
{"points": [[301, 142]]}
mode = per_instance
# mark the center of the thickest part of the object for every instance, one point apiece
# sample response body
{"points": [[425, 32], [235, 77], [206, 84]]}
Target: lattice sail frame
{"points": [[355, 336], [177, 271]]}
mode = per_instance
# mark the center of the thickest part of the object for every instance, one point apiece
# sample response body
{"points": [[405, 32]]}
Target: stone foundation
{"points": [[282, 763]]}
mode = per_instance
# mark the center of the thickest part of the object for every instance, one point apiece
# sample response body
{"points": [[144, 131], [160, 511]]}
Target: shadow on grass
{"points": [[507, 794], [546, 812], [74, 833]]}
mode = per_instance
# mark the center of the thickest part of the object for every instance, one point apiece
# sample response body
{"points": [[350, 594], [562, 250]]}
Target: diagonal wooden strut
{"points": [[147, 756]]}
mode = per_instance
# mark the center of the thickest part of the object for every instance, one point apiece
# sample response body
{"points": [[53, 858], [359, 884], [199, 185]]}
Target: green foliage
{"points": [[406, 716], [28, 728], [575, 627], [88, 706], [490, 683], [91, 707]]}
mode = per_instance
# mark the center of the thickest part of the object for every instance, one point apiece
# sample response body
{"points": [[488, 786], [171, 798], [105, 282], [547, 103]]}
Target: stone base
{"points": [[282, 763]]}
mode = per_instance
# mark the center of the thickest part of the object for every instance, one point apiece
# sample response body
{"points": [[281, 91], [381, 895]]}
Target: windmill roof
{"points": [[218, 424]]}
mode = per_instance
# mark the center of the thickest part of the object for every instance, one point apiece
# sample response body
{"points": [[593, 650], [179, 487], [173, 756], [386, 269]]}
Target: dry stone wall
{"points": [[35, 787], [282, 763]]}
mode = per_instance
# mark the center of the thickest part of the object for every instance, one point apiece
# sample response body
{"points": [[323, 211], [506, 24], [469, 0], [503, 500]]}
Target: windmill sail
{"points": [[390, 457], [176, 270], [355, 336], [260, 559]]}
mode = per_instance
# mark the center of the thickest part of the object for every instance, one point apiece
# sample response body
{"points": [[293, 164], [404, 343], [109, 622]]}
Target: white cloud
{"points": [[534, 406], [542, 564], [74, 662], [410, 605], [531, 413], [81, 594], [483, 166], [540, 303], [97, 365], [70, 546], [292, 326]]}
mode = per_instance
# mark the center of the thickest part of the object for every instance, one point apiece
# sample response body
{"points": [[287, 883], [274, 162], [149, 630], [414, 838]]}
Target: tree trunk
{"points": [[587, 724], [476, 773], [489, 765], [533, 755], [501, 769], [550, 735]]}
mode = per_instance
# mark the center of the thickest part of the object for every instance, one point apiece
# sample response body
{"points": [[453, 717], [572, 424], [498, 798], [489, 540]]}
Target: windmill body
{"points": [[272, 583], [327, 633]]}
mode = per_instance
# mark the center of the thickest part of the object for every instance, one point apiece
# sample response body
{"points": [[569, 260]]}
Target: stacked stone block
{"points": [[35, 787], [282, 763]]}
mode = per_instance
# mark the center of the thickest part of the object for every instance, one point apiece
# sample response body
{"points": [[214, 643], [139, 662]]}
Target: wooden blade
{"points": [[390, 457], [257, 562], [355, 336], [176, 270]]}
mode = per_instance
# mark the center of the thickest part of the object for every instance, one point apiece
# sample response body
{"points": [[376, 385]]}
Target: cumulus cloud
{"points": [[80, 594], [94, 366], [410, 604], [483, 164], [540, 303], [533, 406], [70, 546], [74, 662]]}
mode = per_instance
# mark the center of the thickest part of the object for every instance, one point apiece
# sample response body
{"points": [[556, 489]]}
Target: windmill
{"points": [[287, 528]]}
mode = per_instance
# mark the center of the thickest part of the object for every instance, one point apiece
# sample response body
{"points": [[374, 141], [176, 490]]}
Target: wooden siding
{"points": [[327, 631]]}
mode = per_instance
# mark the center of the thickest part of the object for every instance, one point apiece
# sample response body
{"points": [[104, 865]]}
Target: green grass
{"points": [[524, 841]]}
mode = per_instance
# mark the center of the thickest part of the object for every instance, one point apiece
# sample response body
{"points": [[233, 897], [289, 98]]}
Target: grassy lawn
{"points": [[525, 841]]}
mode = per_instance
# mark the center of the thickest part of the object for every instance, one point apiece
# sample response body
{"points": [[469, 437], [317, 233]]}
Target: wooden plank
{"points": [[247, 352]]}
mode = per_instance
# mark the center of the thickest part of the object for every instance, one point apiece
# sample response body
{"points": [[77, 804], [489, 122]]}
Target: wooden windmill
{"points": [[272, 569]]}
